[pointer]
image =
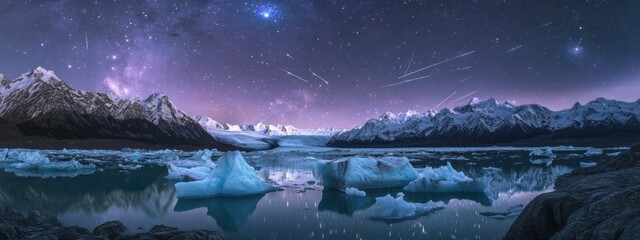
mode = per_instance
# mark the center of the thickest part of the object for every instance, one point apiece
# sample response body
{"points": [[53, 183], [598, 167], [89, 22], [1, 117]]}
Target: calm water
{"points": [[303, 210]]}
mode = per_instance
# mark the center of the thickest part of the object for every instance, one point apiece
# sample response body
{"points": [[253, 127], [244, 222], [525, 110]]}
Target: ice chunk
{"points": [[204, 155], [613, 154], [181, 173], [367, 172], [232, 177], [3, 154], [390, 208], [542, 152], [33, 163], [446, 179], [588, 164], [355, 192], [546, 161], [511, 212], [453, 158], [129, 167], [594, 152], [134, 156]]}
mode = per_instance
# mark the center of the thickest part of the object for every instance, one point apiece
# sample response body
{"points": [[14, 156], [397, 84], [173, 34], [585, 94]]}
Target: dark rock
{"points": [[589, 203], [111, 230]]}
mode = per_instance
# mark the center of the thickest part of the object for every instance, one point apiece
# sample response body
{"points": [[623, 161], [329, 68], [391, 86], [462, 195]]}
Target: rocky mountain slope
{"points": [[490, 122], [40, 103], [589, 203]]}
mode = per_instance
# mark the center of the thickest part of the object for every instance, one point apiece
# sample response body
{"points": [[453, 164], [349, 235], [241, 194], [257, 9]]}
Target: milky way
{"points": [[244, 62]]}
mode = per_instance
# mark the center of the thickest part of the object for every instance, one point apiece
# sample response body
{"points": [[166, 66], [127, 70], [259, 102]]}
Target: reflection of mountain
{"points": [[481, 198], [338, 202], [530, 179], [97, 192], [231, 214]]}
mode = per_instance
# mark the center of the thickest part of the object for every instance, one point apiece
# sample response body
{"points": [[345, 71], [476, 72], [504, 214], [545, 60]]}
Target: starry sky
{"points": [[321, 63]]}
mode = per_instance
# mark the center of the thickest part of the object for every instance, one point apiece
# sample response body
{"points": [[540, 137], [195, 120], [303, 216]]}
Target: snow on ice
{"points": [[367, 172], [446, 179], [232, 177], [355, 192]]}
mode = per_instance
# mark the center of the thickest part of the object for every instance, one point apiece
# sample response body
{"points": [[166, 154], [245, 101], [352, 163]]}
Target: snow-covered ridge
{"points": [[492, 121], [271, 130], [40, 91]]}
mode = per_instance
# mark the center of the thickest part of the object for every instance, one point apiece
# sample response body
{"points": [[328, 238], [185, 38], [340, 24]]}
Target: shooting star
{"points": [[459, 69], [411, 61], [406, 81], [296, 76], [541, 26], [467, 78], [318, 76], [86, 41], [512, 49], [454, 93], [436, 64], [289, 56], [460, 98]]}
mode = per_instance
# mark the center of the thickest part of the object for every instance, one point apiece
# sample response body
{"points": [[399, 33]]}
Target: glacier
{"points": [[366, 172], [446, 179], [232, 177]]}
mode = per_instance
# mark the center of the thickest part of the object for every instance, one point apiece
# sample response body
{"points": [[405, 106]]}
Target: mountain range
{"points": [[491, 123], [38, 103], [260, 128]]}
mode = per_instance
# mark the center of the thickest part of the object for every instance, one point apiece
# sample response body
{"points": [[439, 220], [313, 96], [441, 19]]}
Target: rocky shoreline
{"points": [[20, 224], [589, 203]]}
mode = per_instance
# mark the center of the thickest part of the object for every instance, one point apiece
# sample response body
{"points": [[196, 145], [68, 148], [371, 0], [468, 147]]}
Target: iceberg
{"points": [[232, 177], [3, 154], [446, 179], [542, 152], [613, 154], [390, 208], [594, 152], [182, 173], [366, 172], [355, 192], [588, 164], [511, 212], [34, 164], [546, 161]]}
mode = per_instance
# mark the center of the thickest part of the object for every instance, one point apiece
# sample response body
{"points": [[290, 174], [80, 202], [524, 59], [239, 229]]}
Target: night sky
{"points": [[330, 63]]}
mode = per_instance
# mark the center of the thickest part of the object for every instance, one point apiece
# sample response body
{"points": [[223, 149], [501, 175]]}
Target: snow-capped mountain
{"points": [[485, 122], [40, 103], [271, 130]]}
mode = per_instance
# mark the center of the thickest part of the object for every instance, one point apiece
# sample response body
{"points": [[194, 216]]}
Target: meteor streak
{"points": [[296, 76], [460, 69], [406, 81], [436, 64], [289, 56], [460, 98], [467, 78], [454, 93], [512, 49], [541, 26], [318, 76], [411, 61]]}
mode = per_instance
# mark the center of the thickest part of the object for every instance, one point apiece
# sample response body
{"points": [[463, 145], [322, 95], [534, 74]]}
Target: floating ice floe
{"points": [[511, 212], [367, 172], [542, 152], [390, 208], [588, 164], [33, 163], [613, 154], [594, 152], [453, 158], [446, 179], [134, 156], [355, 192], [3, 154], [129, 167], [232, 177], [182, 173]]}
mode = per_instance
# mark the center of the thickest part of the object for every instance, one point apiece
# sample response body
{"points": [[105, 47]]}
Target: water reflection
{"points": [[341, 203], [480, 198], [231, 214], [96, 193]]}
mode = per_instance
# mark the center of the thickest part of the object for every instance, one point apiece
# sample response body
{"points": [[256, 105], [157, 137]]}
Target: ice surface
{"points": [[182, 173], [3, 154], [511, 212], [446, 179], [367, 172], [33, 163], [545, 161], [390, 208], [545, 152], [613, 154], [588, 164], [232, 177], [355, 192], [129, 167], [594, 152], [453, 158]]}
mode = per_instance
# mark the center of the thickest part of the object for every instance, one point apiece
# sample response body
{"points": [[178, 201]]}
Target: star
{"points": [[267, 11]]}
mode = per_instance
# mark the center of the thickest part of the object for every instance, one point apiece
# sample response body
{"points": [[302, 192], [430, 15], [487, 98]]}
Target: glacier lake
{"points": [[131, 186]]}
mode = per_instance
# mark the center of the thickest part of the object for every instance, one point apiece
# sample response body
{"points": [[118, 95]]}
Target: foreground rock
{"points": [[590, 203], [18, 224]]}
